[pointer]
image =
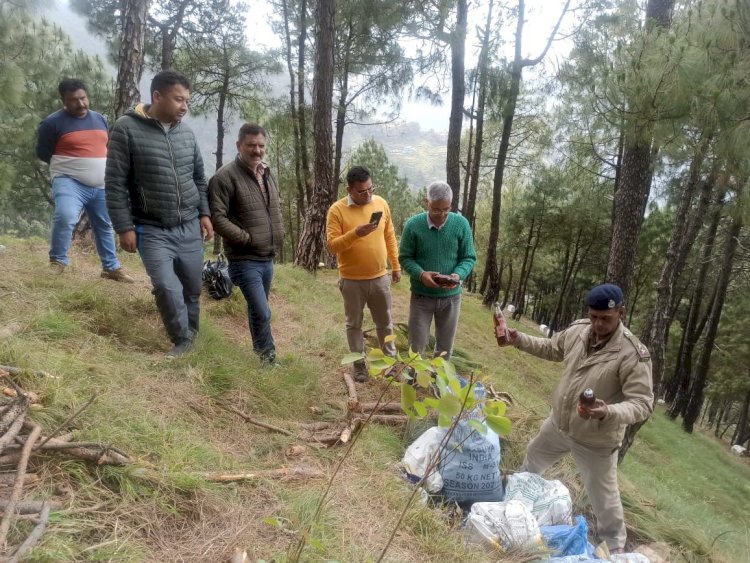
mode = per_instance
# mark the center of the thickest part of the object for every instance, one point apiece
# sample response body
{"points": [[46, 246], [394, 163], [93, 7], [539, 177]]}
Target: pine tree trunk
{"points": [[458, 92], [634, 181], [341, 106], [301, 48], [295, 124], [518, 294], [684, 368], [684, 232], [132, 52], [313, 235], [695, 401], [744, 412]]}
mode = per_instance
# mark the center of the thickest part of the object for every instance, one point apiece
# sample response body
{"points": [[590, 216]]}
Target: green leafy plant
{"points": [[455, 399]]}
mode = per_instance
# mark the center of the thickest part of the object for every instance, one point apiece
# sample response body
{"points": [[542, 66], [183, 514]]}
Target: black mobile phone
{"points": [[376, 216]]}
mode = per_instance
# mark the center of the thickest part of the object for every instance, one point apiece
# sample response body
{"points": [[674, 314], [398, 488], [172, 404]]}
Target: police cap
{"points": [[605, 296]]}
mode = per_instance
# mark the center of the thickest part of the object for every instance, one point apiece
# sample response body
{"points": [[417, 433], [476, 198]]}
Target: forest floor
{"points": [[102, 338]]}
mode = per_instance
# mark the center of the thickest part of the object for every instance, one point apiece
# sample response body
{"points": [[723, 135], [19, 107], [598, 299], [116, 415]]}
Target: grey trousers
{"points": [[173, 258], [376, 294], [598, 467], [445, 311]]}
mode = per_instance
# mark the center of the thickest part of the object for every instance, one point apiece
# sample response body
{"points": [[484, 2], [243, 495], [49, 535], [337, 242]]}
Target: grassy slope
{"points": [[105, 338]]}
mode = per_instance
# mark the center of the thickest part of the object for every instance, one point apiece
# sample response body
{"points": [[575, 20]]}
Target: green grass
{"points": [[105, 339]]}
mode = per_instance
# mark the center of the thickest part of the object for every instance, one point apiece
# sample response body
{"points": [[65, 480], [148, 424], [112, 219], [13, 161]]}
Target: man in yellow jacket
{"points": [[360, 233], [602, 355]]}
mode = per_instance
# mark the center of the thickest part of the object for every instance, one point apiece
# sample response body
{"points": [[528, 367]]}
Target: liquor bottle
{"points": [[501, 327], [587, 399]]}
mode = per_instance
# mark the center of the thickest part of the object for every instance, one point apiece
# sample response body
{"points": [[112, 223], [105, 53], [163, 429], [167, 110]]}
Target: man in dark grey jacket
{"points": [[246, 212], [157, 201]]}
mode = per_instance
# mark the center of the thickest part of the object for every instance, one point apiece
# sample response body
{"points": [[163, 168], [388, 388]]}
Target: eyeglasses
{"points": [[365, 192]]}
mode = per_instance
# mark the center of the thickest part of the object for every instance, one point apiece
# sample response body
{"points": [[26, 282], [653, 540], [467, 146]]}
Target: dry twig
{"points": [[352, 402], [18, 486], [34, 536], [282, 474], [253, 421]]}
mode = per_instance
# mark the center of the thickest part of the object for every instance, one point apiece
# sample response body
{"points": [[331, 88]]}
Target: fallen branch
{"points": [[253, 421], [66, 421], [387, 419], [16, 408], [352, 403], [12, 432], [317, 426], [15, 495], [12, 370], [30, 506], [34, 536], [283, 474], [87, 451], [384, 407]]}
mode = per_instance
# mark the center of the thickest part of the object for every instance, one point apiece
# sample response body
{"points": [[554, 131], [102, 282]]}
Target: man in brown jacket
{"points": [[246, 212], [602, 355]]}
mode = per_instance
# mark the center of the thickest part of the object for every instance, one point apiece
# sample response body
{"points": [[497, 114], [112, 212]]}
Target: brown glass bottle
{"points": [[587, 399], [501, 327]]}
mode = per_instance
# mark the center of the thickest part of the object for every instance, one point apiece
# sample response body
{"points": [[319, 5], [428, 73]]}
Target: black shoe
{"points": [[361, 375], [179, 349]]}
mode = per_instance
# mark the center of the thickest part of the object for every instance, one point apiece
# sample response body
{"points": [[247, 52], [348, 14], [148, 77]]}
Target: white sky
{"points": [[541, 16]]}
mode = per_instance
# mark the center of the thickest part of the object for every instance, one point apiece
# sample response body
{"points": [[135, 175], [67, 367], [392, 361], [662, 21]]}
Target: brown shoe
{"points": [[117, 275], [56, 267]]}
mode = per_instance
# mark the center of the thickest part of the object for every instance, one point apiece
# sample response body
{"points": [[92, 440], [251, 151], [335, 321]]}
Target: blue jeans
{"points": [[253, 277], [70, 198]]}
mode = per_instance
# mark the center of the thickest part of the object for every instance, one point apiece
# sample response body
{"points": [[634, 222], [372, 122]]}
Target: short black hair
{"points": [[357, 174], [251, 129], [165, 79], [71, 85]]}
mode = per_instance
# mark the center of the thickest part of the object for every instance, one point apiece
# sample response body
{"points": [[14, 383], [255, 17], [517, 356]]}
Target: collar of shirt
{"points": [[432, 225]]}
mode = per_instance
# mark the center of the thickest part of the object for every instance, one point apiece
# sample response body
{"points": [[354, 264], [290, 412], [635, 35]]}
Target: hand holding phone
{"points": [[445, 281], [375, 217]]}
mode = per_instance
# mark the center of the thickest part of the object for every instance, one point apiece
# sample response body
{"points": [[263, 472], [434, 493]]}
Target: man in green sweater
{"points": [[437, 251]]}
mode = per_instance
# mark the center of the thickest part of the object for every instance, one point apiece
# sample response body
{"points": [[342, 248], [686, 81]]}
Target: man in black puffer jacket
{"points": [[157, 201], [246, 211]]}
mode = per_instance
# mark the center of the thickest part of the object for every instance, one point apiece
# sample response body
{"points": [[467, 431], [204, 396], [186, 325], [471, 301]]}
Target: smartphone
{"points": [[375, 217], [444, 281]]}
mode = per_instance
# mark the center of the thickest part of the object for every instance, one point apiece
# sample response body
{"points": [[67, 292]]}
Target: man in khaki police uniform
{"points": [[601, 354]]}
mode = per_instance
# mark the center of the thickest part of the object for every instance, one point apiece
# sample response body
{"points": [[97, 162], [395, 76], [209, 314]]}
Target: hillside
{"points": [[104, 339]]}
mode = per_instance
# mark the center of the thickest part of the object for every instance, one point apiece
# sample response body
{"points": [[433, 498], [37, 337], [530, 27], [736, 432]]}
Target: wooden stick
{"points": [[253, 421], [12, 412], [316, 426], [383, 407], [283, 474], [18, 485], [30, 506], [87, 451], [12, 432], [34, 536], [352, 403], [66, 421], [18, 371], [387, 419]]}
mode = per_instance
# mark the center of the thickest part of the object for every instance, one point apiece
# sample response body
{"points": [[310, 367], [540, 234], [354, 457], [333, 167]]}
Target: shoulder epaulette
{"points": [[643, 354], [580, 322]]}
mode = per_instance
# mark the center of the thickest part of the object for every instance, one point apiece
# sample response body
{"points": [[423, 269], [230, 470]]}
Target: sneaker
{"points": [[56, 267], [117, 275], [179, 349], [361, 374], [268, 358]]}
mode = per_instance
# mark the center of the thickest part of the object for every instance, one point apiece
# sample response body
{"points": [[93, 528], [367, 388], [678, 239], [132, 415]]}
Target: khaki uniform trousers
{"points": [[598, 467], [376, 294]]}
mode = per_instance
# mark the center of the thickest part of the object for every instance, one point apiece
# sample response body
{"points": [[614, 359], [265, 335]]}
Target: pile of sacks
{"points": [[531, 513]]}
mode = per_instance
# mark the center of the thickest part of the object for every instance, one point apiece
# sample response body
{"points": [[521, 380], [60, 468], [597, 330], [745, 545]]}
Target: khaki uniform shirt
{"points": [[619, 373]]}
